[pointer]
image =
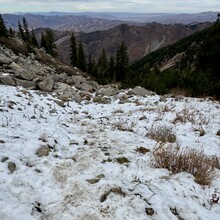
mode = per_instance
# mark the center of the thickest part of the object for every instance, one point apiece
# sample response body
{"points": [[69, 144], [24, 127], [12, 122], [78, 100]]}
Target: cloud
{"points": [[146, 6]]}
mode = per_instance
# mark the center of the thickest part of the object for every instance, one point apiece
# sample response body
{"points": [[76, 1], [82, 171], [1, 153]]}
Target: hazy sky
{"points": [[146, 6]]}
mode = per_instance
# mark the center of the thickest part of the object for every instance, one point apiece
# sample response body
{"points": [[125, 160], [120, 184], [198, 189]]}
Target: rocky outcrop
{"points": [[26, 71]]}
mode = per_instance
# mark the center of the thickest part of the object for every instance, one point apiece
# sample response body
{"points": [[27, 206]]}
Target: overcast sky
{"points": [[144, 6]]}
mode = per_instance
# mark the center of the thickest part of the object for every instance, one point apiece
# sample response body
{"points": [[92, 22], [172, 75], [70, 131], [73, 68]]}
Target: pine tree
{"points": [[111, 69], [81, 57], [11, 32], [33, 39], [48, 43], [122, 62], [43, 42], [3, 30], [102, 65], [90, 65], [27, 36], [73, 51], [21, 31]]}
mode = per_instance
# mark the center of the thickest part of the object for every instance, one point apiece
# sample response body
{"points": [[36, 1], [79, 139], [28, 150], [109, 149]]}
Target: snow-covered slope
{"points": [[93, 170]]}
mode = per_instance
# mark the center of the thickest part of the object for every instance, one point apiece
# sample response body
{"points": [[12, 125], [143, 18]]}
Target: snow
{"points": [[85, 141]]}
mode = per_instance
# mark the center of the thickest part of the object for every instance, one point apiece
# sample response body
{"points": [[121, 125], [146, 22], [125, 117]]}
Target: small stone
{"points": [[2, 142], [142, 118], [4, 159], [11, 167], [43, 151], [149, 211]]}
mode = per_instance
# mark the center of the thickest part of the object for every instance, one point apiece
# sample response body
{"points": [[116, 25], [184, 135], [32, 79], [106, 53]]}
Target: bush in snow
{"points": [[201, 166], [161, 133]]}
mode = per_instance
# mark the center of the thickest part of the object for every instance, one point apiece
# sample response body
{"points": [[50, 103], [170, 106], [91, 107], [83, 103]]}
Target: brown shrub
{"points": [[15, 45], [201, 166], [161, 133]]}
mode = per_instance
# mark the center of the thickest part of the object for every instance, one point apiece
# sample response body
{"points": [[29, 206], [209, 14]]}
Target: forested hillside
{"points": [[191, 65]]}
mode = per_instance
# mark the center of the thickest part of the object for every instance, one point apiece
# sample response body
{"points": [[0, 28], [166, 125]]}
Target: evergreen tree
{"points": [[21, 33], [90, 67], [81, 57], [3, 30], [33, 39], [27, 36], [11, 32], [48, 43], [122, 62], [111, 69], [73, 51], [102, 65], [43, 42]]}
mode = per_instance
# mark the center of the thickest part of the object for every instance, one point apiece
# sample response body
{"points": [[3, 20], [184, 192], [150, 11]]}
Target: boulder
{"points": [[25, 74], [94, 84], [60, 87], [85, 87], [77, 97], [107, 92], [78, 80], [5, 60], [139, 91], [47, 84], [7, 80], [25, 83]]}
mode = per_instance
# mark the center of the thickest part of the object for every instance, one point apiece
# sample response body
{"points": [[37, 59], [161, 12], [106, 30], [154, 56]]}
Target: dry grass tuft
{"points": [[196, 162], [162, 133]]}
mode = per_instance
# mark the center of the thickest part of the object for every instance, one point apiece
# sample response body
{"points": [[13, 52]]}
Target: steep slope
{"points": [[191, 64], [140, 40]]}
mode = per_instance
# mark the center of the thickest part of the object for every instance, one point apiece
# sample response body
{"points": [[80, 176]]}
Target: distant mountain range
{"points": [[93, 21], [140, 40]]}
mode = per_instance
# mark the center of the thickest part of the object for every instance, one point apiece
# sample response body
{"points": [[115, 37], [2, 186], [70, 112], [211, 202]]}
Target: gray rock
{"points": [[94, 84], [78, 80], [105, 100], [11, 167], [7, 80], [60, 87], [85, 87], [25, 83], [4, 159], [5, 60], [139, 91], [46, 84], [77, 97], [107, 92], [25, 74], [43, 151], [96, 99]]}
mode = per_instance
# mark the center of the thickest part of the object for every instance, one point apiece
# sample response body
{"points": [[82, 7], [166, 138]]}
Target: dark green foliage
{"points": [[3, 30], [122, 62], [111, 69], [33, 39], [27, 36], [81, 57], [11, 32], [47, 42], [197, 72], [73, 51], [21, 33], [115, 69]]}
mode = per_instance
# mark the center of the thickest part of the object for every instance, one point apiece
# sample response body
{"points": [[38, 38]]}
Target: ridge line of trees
{"points": [[104, 70]]}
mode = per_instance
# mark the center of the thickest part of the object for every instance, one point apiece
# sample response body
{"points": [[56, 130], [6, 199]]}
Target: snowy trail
{"points": [[93, 169]]}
